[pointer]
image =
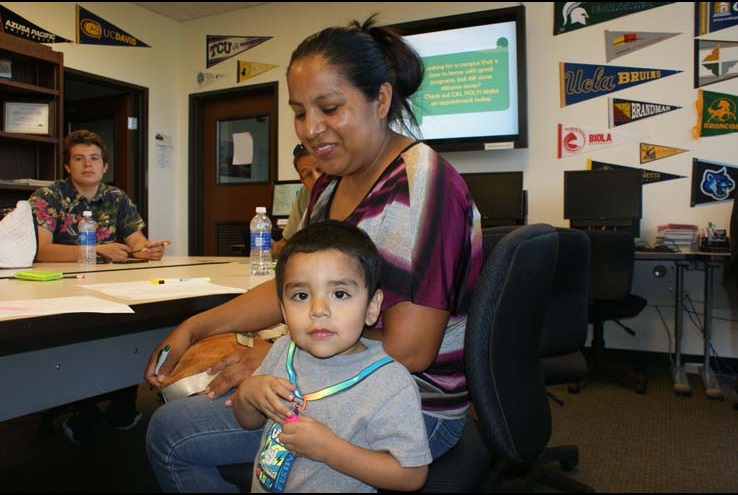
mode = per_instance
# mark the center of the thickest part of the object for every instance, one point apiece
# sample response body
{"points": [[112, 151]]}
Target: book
{"points": [[677, 226]]}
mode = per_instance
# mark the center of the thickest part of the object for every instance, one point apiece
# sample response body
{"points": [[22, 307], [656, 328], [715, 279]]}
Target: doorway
{"points": [[117, 112], [232, 164]]}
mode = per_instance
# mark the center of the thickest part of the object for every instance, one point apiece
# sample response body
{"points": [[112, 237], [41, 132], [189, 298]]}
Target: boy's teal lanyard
{"points": [[302, 400]]}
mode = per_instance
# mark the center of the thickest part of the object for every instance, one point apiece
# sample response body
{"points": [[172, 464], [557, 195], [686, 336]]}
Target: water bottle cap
{"points": [[261, 210], [87, 213]]}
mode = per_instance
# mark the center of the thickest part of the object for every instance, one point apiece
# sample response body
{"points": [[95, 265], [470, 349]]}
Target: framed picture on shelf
{"points": [[6, 68], [27, 118]]}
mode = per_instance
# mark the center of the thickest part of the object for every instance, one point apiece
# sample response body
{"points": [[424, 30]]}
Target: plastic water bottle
{"points": [[87, 232], [260, 255]]}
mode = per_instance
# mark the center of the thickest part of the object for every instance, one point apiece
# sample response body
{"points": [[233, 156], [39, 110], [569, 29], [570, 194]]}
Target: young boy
{"points": [[339, 414]]}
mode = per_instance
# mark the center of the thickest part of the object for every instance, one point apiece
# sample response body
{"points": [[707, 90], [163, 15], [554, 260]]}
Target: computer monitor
{"points": [[284, 193], [499, 197], [603, 198]]}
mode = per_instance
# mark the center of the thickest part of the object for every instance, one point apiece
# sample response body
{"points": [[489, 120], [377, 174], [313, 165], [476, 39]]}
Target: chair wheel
{"points": [[569, 463], [575, 388]]}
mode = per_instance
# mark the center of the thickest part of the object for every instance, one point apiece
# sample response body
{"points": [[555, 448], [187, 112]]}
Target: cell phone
{"points": [[130, 260], [101, 260]]}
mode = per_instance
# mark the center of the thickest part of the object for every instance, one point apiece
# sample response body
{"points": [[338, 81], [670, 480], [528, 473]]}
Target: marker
{"points": [[79, 276], [160, 281], [160, 360]]}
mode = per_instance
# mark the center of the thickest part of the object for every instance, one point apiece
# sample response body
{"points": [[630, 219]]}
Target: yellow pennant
{"points": [[651, 152], [247, 70]]}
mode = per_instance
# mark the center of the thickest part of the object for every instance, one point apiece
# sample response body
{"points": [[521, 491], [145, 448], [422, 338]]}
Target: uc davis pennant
{"points": [[580, 82], [712, 181], [576, 139], [716, 114], [94, 30], [713, 16], [221, 48], [647, 176], [18, 26], [627, 111]]}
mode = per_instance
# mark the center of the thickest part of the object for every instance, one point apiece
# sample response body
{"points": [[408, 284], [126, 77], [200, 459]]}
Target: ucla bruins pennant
{"points": [[580, 82], [94, 30], [712, 181]]}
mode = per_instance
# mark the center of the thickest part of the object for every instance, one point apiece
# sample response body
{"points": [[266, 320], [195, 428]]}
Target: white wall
{"points": [[177, 54]]}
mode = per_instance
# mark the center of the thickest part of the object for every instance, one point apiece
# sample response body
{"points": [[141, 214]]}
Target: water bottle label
{"points": [[261, 240], [87, 238]]}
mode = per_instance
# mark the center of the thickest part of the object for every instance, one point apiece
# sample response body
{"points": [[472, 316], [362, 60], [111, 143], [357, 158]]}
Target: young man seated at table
{"points": [[58, 209], [307, 167]]}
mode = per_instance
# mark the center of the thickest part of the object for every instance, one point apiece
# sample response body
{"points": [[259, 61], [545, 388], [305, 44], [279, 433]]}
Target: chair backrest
{"points": [[612, 264], [502, 343], [565, 321]]}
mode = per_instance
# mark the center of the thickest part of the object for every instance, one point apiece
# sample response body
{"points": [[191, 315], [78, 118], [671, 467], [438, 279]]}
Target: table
{"points": [[53, 360], [683, 261]]}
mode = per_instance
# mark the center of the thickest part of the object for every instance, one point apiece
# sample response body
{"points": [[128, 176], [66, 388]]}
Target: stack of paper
{"points": [[678, 236]]}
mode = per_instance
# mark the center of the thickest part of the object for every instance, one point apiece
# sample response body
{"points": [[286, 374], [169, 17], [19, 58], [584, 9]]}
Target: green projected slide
{"points": [[466, 82]]}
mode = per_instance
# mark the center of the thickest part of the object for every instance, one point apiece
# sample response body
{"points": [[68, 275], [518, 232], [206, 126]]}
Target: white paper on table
{"points": [[58, 305], [147, 290]]}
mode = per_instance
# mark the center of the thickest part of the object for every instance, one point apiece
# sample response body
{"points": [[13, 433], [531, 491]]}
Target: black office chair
{"points": [[611, 276], [565, 322], [503, 361]]}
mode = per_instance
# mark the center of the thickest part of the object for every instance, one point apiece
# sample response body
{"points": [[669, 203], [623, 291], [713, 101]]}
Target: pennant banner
{"points": [[14, 24], [619, 43], [647, 176], [580, 82], [569, 16], [94, 30], [716, 114], [653, 152], [221, 48], [714, 61], [576, 139], [712, 181], [247, 70], [626, 111], [713, 16]]}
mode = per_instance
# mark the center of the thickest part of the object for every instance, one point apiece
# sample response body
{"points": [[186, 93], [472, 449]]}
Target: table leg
{"points": [[678, 373], [712, 386]]}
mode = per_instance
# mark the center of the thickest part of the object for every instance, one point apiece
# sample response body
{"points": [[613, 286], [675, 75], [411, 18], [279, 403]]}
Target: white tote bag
{"points": [[18, 237]]}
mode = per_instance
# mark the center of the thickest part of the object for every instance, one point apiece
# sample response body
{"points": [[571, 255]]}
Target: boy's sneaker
{"points": [[122, 416], [81, 426]]}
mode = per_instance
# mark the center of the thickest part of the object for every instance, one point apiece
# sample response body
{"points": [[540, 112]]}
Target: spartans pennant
{"points": [[653, 152], [569, 16]]}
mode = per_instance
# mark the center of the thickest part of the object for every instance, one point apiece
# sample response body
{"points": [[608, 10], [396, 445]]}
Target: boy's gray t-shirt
{"points": [[381, 413]]}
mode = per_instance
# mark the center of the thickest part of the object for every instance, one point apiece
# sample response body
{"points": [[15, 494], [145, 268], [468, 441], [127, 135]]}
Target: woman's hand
{"points": [[235, 367]]}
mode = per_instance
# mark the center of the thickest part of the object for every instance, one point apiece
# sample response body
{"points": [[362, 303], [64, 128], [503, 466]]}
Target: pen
{"points": [[159, 281], [160, 360], [142, 250]]}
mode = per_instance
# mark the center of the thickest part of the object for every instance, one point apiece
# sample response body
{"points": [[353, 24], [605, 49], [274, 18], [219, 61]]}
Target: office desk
{"points": [[683, 261], [52, 360]]}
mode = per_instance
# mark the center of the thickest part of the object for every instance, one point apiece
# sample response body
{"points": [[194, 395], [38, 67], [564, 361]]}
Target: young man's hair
{"points": [[341, 236], [89, 138]]}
